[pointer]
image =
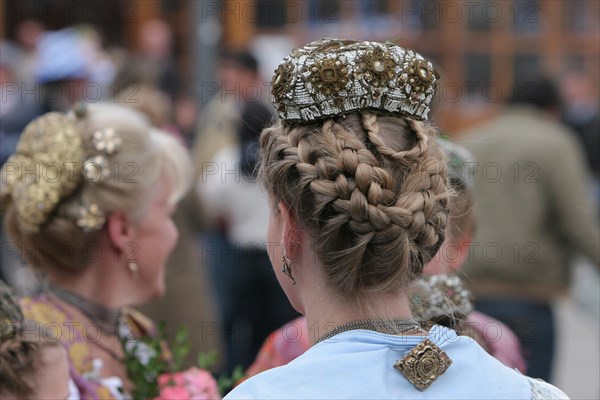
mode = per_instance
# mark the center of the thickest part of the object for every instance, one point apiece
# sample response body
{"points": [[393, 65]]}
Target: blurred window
{"points": [[324, 11], [580, 16], [482, 14], [526, 15], [525, 64], [372, 8], [270, 14], [170, 6], [478, 70], [573, 62], [428, 13]]}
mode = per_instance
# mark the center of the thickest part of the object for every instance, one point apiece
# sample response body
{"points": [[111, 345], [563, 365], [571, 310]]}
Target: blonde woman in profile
{"points": [[88, 199], [359, 204]]}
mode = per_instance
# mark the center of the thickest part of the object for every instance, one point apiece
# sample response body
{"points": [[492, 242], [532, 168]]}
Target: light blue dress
{"points": [[358, 364]]}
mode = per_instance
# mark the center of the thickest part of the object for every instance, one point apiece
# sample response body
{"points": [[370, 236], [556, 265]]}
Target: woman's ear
{"points": [[291, 233], [120, 230]]}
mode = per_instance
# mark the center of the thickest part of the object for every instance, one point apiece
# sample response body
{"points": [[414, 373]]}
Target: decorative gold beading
{"points": [[332, 77]]}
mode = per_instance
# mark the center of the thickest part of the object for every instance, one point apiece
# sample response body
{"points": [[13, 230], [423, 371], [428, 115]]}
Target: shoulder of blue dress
{"points": [[440, 334]]}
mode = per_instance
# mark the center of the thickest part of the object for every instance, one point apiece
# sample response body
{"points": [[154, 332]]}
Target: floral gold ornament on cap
{"points": [[423, 364], [331, 77]]}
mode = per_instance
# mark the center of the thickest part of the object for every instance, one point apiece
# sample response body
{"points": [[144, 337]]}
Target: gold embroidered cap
{"points": [[330, 77], [35, 178], [50, 163]]}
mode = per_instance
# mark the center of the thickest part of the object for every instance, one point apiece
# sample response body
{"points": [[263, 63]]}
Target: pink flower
{"points": [[174, 393], [201, 384], [192, 384], [174, 379]]}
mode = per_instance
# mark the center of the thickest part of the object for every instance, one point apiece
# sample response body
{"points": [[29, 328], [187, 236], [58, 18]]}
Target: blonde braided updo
{"points": [[370, 189]]}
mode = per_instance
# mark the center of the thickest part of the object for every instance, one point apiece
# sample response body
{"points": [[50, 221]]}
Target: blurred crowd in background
{"points": [[201, 71]]}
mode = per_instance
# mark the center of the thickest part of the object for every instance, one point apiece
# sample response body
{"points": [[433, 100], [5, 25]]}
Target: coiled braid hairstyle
{"points": [[371, 190]]}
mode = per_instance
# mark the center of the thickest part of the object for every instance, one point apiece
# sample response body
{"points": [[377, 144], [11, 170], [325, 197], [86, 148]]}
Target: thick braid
{"points": [[403, 157], [17, 364], [376, 215]]}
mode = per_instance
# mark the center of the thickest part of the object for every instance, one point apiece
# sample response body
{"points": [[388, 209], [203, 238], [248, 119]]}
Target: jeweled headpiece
{"points": [[330, 77], [440, 297], [50, 163]]}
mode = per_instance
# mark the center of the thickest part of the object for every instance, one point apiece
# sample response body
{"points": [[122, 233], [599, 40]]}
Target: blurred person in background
{"points": [[61, 69], [533, 203], [581, 111], [155, 56], [225, 152], [28, 33], [99, 234]]}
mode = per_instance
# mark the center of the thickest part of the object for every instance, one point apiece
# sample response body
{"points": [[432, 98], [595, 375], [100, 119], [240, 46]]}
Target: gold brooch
{"points": [[424, 364]]}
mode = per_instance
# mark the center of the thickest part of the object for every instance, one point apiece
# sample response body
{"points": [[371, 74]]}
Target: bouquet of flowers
{"points": [[155, 370], [192, 384]]}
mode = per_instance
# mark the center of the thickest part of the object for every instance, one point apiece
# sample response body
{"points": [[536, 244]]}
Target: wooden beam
{"points": [[138, 12], [240, 19]]}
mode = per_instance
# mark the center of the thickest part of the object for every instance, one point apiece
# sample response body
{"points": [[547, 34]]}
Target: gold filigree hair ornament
{"points": [[333, 77], [50, 163]]}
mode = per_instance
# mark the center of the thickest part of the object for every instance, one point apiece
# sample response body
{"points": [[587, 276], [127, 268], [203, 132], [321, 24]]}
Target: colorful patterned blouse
{"points": [[53, 316]]}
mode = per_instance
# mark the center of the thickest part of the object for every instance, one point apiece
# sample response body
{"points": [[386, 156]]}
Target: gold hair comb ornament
{"points": [[331, 77]]}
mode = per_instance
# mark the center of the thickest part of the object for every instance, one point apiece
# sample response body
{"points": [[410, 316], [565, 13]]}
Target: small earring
{"points": [[133, 267], [287, 270]]}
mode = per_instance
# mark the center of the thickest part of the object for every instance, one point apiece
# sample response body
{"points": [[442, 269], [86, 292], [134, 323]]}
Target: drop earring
{"points": [[133, 267], [286, 269]]}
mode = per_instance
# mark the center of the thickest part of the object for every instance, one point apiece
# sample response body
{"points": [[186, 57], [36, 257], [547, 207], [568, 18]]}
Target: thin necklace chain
{"points": [[94, 312], [107, 319], [392, 327]]}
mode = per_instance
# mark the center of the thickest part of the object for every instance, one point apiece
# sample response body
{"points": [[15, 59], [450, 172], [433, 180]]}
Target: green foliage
{"points": [[180, 348], [226, 383], [143, 372], [145, 361]]}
